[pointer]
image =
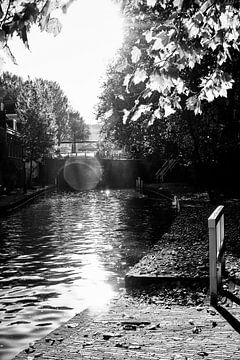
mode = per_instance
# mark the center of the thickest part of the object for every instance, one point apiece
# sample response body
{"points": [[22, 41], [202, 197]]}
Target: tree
{"points": [[38, 121], [10, 86], [60, 109], [178, 79], [190, 45], [139, 135], [79, 130]]}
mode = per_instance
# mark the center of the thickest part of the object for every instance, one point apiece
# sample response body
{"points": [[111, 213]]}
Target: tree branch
{"points": [[5, 16]]}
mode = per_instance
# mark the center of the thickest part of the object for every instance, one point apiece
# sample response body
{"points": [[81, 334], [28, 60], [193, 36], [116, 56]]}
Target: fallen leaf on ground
{"points": [[89, 343], [134, 347], [202, 353], [154, 327], [107, 336], [196, 330], [72, 325]]}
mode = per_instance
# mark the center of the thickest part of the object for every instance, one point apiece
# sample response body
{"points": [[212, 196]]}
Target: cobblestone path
{"points": [[132, 330]]}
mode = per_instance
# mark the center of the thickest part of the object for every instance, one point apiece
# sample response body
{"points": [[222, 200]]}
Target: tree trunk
{"points": [[30, 173], [196, 158]]}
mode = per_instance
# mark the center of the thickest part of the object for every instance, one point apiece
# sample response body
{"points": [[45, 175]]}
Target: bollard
{"points": [[176, 203], [139, 185]]}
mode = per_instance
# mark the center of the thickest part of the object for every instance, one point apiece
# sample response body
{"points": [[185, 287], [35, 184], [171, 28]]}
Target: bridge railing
{"points": [[166, 167], [216, 252]]}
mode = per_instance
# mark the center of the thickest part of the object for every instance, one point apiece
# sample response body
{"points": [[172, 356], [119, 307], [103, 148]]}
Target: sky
{"points": [[92, 33]]}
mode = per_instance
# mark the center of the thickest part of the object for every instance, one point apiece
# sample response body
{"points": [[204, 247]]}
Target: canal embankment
{"points": [[14, 201], [181, 256], [162, 319]]}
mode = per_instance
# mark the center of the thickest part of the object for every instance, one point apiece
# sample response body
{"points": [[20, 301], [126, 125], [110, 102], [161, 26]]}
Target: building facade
{"points": [[11, 149]]}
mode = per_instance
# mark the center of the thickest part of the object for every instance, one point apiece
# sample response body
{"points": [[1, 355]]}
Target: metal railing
{"points": [[167, 166], [216, 252]]}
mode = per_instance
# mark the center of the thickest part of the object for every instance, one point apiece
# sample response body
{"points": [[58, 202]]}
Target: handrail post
{"points": [[216, 240], [212, 264]]}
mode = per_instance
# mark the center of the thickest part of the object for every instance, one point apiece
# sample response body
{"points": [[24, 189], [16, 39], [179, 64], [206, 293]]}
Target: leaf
{"points": [[23, 35], [139, 76], [168, 110], [72, 325], [45, 15], [109, 113], [66, 6], [193, 31], [54, 26], [122, 66], [225, 20], [206, 5], [161, 83], [194, 103], [120, 97], [178, 4], [161, 41], [151, 2], [148, 36], [157, 113], [151, 121], [125, 115], [136, 54], [142, 109], [180, 86], [127, 80], [209, 95], [157, 44], [156, 82]]}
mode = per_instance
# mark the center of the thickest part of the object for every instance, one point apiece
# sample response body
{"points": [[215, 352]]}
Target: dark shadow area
{"points": [[229, 318], [235, 323]]}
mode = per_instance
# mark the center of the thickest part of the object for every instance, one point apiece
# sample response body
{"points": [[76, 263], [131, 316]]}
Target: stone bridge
{"points": [[85, 173]]}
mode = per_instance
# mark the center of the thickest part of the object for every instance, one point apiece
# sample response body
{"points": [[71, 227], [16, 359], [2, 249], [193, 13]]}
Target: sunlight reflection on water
{"points": [[67, 252]]}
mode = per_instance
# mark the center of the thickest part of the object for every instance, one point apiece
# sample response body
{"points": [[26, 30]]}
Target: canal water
{"points": [[66, 252]]}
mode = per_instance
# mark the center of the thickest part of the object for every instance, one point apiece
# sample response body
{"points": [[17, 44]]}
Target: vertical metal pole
{"points": [[212, 262], [138, 184], [141, 186]]}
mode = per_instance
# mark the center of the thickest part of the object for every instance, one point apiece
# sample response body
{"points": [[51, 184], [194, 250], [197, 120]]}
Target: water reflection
{"points": [[67, 252]]}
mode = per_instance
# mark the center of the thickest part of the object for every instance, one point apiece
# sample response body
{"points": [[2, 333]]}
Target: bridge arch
{"points": [[79, 174]]}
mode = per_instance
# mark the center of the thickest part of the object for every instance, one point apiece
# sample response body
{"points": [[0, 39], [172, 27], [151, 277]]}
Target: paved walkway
{"points": [[132, 330]]}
